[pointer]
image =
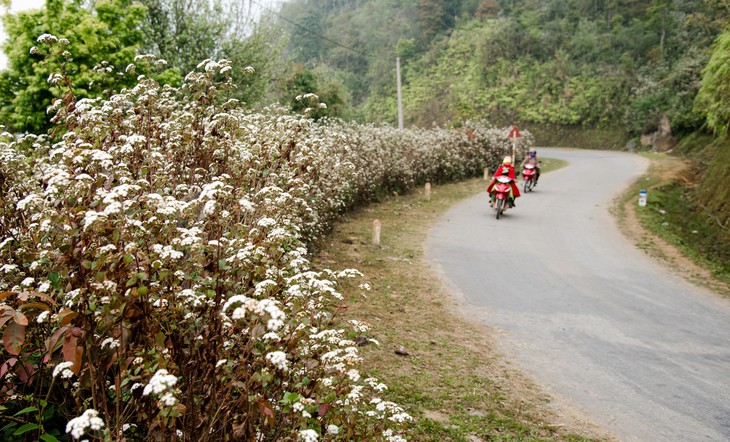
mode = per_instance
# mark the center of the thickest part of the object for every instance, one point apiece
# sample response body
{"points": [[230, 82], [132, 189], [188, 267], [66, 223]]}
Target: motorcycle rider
{"points": [[509, 170], [531, 158]]}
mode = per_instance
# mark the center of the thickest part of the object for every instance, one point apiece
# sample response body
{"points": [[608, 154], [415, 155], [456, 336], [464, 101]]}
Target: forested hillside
{"points": [[620, 63]]}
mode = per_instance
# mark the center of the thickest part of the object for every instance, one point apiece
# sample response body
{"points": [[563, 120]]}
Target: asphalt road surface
{"points": [[595, 321]]}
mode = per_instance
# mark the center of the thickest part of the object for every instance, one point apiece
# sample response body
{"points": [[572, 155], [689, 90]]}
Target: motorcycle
{"points": [[529, 173], [501, 192]]}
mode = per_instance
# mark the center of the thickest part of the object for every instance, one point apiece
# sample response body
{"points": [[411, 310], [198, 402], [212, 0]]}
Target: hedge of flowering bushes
{"points": [[155, 281]]}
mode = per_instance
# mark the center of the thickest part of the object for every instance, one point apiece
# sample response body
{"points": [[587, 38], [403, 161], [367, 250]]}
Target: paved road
{"points": [[591, 318]]}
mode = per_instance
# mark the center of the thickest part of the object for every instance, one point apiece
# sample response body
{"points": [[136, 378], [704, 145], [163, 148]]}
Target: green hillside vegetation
{"points": [[620, 64], [594, 74]]}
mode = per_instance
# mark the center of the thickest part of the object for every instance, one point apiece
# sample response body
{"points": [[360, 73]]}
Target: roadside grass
{"points": [[442, 368], [674, 229]]}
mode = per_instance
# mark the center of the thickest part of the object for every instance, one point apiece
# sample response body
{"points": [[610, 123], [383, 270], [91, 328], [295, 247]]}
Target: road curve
{"points": [[595, 321]]}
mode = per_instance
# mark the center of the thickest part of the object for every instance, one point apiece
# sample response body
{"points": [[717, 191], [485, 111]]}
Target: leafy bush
{"points": [[712, 99], [155, 280]]}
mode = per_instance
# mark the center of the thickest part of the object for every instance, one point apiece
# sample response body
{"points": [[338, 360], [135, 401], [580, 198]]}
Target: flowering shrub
{"points": [[155, 278]]}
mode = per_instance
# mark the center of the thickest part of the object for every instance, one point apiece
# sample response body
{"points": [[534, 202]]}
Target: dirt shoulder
{"points": [[663, 169]]}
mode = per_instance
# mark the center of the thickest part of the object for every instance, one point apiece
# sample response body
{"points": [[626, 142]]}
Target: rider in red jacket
{"points": [[505, 169]]}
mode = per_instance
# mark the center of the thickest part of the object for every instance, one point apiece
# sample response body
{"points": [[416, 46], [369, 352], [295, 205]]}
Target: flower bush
{"points": [[155, 281]]}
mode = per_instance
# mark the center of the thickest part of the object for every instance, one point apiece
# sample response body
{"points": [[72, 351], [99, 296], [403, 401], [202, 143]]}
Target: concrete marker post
{"points": [[486, 174], [376, 232], [428, 191]]}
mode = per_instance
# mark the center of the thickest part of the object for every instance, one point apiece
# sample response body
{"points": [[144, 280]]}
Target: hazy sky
{"points": [[19, 5]]}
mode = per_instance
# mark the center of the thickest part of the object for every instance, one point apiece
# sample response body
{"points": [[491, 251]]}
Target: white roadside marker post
{"points": [[376, 232]]}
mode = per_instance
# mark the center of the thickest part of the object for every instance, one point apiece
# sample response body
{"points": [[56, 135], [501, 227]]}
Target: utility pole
{"points": [[400, 96], [515, 135]]}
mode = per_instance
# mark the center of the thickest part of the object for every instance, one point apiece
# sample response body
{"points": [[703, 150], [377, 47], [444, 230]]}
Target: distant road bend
{"points": [[590, 317]]}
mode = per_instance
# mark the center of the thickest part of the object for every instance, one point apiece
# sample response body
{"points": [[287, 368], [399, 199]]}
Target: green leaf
{"points": [[26, 410], [291, 398], [8, 428], [223, 265], [48, 438], [160, 339], [49, 412], [25, 428]]}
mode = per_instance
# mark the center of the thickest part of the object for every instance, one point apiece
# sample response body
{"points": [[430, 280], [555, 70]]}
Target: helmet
{"points": [[532, 153], [532, 150], [507, 160]]}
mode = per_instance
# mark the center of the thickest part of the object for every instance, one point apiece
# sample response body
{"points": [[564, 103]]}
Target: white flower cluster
{"points": [[89, 420], [206, 210], [64, 370], [160, 382], [308, 436], [278, 359], [43, 316], [47, 39]]}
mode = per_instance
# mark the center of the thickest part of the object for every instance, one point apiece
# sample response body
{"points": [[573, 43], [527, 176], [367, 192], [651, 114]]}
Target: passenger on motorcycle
{"points": [[509, 170], [531, 158]]}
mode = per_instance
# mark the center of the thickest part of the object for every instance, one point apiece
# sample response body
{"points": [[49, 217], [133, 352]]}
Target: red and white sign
{"points": [[514, 133]]}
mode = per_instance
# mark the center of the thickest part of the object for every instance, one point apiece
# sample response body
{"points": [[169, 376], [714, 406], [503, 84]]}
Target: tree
{"points": [[487, 9], [713, 98], [262, 50], [304, 94], [109, 33], [432, 18], [307, 43], [185, 32]]}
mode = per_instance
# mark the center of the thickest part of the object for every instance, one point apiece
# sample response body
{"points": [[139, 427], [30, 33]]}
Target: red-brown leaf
{"points": [[7, 365], [20, 318], [66, 316], [53, 340], [25, 372], [4, 295], [44, 297], [4, 319], [69, 346], [36, 305], [14, 337], [112, 360], [266, 408], [323, 409], [78, 356]]}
